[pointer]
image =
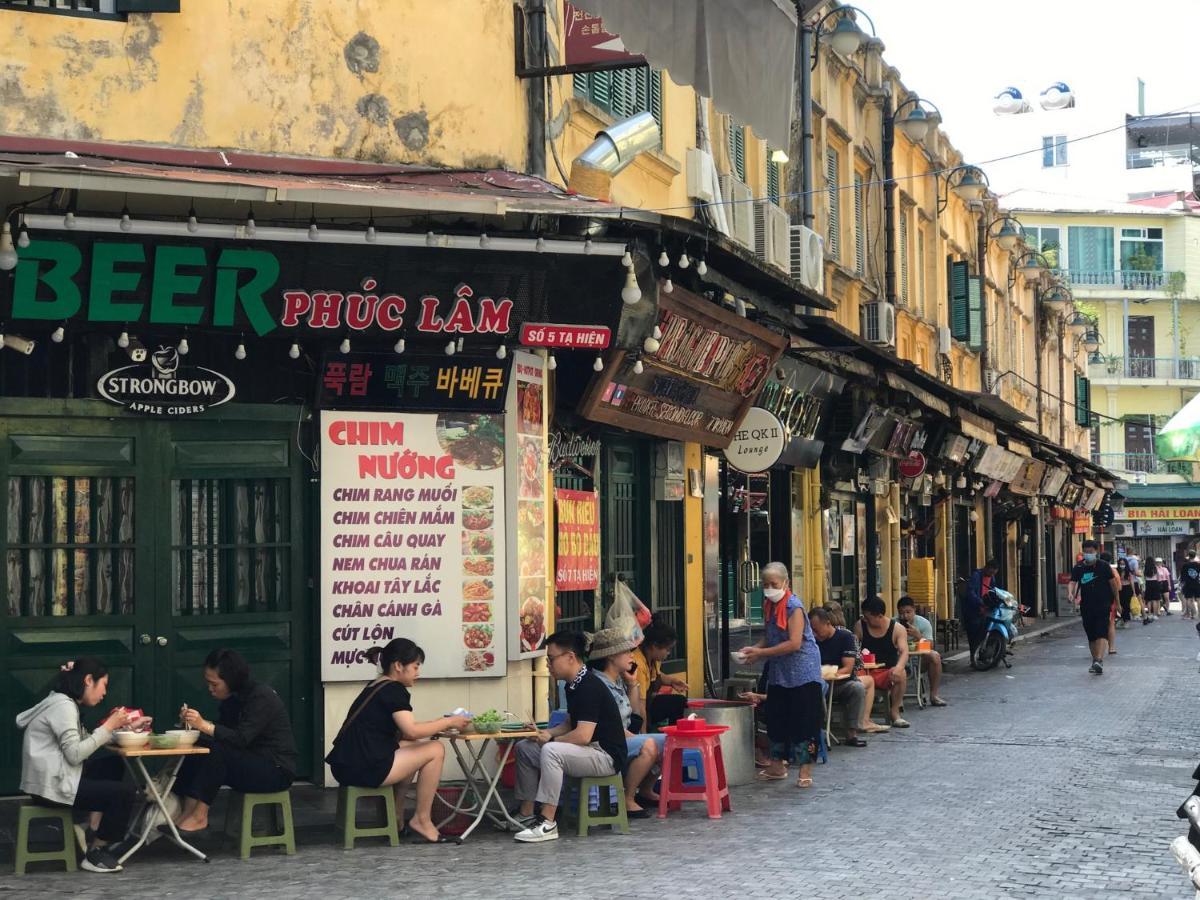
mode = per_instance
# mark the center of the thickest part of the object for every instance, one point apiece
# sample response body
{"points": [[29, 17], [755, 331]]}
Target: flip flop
{"points": [[804, 783], [767, 776], [638, 813], [938, 701], [420, 839], [876, 728], [899, 723], [855, 742]]}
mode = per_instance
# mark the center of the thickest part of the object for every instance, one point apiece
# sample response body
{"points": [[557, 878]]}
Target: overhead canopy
{"points": [[1180, 437], [740, 53]]}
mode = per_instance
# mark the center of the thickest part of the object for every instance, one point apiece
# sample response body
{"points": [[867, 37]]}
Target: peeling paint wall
{"points": [[384, 80]]}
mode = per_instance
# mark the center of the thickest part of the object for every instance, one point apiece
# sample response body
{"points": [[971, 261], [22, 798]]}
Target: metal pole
{"points": [[981, 254], [535, 88], [1037, 354], [889, 201], [806, 125]]}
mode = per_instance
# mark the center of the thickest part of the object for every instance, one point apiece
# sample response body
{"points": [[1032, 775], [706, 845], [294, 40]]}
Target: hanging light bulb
{"points": [[638, 368], [598, 365], [430, 239], [193, 224], [960, 482], [627, 259], [126, 222], [656, 333], [240, 352], [23, 238], [588, 247], [314, 233], [668, 286], [123, 340], [400, 345], [739, 306], [460, 345], [663, 259], [58, 334], [552, 363], [344, 346], [631, 293], [251, 225], [450, 348], [69, 219], [650, 345], [540, 244], [294, 350], [8, 253], [371, 235], [484, 241], [183, 347], [702, 268], [501, 352], [684, 262]]}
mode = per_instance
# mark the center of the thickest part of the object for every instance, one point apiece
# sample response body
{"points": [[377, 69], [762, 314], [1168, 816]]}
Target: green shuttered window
{"points": [[957, 275], [1083, 401], [623, 92]]}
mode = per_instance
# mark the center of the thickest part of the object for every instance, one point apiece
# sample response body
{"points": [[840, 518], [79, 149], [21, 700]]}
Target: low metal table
{"points": [[481, 795], [157, 787]]}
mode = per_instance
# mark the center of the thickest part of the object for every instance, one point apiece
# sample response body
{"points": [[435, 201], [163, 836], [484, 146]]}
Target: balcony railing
{"points": [[1147, 463], [1118, 279], [1183, 368]]}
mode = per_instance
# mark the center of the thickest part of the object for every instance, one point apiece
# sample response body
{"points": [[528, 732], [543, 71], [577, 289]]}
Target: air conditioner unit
{"points": [[945, 340], [699, 184], [772, 236], [808, 258], [739, 210], [1121, 531], [878, 322]]}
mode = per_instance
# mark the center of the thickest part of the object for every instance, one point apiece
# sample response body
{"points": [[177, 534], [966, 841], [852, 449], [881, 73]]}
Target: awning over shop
{"points": [[921, 394], [741, 54], [974, 426]]}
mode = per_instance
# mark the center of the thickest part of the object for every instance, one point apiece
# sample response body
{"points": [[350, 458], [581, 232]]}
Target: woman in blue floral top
{"points": [[795, 710]]}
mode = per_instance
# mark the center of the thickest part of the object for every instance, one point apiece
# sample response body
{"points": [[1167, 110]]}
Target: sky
{"points": [[961, 54]]}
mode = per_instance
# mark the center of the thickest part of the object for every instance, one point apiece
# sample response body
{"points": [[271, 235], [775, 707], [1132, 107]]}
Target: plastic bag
{"points": [[1135, 606], [623, 615]]}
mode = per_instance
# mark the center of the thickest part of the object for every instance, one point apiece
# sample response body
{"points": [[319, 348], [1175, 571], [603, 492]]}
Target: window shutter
{"points": [[860, 226], [903, 252], [772, 178], [956, 281], [834, 244], [975, 312], [623, 92], [735, 135], [1083, 401]]}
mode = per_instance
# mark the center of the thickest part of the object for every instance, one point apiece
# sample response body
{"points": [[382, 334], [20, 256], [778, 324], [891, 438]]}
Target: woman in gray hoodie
{"points": [[55, 766]]}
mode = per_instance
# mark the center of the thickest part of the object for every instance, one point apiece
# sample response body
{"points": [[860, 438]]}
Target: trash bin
{"points": [[737, 744]]}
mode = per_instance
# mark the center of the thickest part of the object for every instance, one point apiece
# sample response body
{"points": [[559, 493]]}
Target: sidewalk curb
{"points": [[1053, 626]]}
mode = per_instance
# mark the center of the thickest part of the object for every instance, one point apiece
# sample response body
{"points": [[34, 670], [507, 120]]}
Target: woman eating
{"points": [[251, 746], [381, 743], [56, 764], [795, 707]]}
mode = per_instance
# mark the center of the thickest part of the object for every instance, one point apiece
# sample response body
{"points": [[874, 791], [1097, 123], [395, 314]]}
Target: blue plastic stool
{"points": [[693, 768]]}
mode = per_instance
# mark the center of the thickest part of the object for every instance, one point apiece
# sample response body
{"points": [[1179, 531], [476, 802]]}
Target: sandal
{"points": [[804, 783], [767, 776], [938, 701], [899, 723], [876, 728]]}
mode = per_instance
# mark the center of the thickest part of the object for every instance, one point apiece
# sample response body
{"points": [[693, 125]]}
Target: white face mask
{"points": [[773, 594]]}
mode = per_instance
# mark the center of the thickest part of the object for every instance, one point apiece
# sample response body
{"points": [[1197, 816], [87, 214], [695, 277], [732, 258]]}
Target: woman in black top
{"points": [[382, 743], [251, 747]]}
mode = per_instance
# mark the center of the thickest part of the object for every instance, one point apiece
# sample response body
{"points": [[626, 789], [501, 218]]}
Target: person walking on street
{"points": [[974, 613], [1095, 585], [1158, 588], [1128, 586], [1189, 582]]}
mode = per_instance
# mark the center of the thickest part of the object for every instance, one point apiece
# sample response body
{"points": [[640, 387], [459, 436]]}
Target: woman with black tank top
{"points": [[381, 742], [887, 639]]}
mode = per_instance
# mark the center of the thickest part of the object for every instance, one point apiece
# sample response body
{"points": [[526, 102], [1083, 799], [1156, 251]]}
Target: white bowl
{"points": [[187, 737], [739, 657], [132, 740]]}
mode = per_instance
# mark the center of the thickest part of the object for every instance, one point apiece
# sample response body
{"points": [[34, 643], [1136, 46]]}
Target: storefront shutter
{"points": [[956, 281], [975, 312]]}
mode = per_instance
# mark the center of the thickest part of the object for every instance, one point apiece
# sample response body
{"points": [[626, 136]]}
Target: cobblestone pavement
{"points": [[1039, 781]]}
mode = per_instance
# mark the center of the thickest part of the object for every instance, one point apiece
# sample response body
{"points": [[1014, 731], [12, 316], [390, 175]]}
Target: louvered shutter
{"points": [[772, 178], [903, 251], [834, 244], [1083, 401], [735, 136], [654, 78], [860, 227], [956, 282], [975, 312]]}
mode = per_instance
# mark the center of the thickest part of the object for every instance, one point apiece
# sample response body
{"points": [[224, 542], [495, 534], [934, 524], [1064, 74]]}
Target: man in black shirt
{"points": [[1189, 581], [838, 648], [590, 742], [1095, 586]]}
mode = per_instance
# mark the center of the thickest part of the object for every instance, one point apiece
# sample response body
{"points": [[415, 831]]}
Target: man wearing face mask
{"points": [[1095, 586]]}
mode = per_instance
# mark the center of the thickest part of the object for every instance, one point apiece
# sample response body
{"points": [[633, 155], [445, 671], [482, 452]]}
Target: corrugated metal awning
{"points": [[920, 393]]}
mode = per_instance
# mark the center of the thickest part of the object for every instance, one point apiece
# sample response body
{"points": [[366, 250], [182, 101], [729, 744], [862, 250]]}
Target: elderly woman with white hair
{"points": [[794, 700]]}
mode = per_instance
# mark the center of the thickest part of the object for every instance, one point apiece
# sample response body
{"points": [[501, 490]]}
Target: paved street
{"points": [[1042, 781]]}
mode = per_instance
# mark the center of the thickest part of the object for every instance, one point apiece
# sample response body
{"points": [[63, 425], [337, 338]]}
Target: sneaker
{"points": [[83, 837], [100, 860], [1097, 667], [540, 830], [1192, 810], [1188, 858]]}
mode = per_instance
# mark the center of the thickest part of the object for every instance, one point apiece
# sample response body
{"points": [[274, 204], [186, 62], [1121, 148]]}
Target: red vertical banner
{"points": [[578, 562]]}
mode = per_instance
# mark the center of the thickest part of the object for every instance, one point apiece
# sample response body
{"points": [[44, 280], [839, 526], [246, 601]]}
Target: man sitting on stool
{"points": [[886, 639], [918, 628], [838, 649]]}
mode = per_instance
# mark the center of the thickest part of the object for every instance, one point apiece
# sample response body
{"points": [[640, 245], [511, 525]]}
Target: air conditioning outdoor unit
{"points": [[1121, 531], [699, 185], [878, 323], [739, 210], [772, 236], [945, 340], [808, 258]]}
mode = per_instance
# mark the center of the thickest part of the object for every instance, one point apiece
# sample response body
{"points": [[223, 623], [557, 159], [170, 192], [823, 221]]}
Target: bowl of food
{"points": [[488, 722], [185, 737], [163, 741], [131, 740]]}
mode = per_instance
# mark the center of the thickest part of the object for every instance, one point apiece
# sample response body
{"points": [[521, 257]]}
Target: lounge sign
{"points": [[163, 388]]}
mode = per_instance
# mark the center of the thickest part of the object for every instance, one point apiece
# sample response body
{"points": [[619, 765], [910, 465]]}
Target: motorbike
{"points": [[1000, 632]]}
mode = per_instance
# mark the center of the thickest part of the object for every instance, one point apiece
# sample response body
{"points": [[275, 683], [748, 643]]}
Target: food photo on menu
{"points": [[529, 407], [476, 441]]}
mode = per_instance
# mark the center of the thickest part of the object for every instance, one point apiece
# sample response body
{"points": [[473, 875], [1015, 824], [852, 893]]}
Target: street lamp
{"points": [[1057, 299], [1091, 339], [1032, 264], [918, 123], [1079, 325], [1009, 234], [845, 37], [969, 184]]}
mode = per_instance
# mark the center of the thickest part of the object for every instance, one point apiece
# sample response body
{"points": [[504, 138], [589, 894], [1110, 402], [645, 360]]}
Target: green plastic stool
{"points": [[281, 807], [347, 815], [27, 813], [611, 812]]}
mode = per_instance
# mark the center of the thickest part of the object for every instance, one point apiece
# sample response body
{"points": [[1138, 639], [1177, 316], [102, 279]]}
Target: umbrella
{"points": [[1180, 437]]}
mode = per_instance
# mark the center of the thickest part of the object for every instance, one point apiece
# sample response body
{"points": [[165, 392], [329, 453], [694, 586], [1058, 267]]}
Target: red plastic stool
{"points": [[714, 790]]}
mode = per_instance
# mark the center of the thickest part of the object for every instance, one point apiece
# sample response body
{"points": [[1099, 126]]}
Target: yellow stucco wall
{"points": [[362, 80]]}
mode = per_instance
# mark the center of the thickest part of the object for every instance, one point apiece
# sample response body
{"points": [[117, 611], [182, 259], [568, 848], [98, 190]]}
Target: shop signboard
{"points": [[413, 382], [758, 442], [1029, 479], [577, 560], [1145, 513], [565, 337], [1053, 481], [587, 43], [1083, 524], [912, 466], [697, 386], [412, 507], [565, 445], [1163, 529], [163, 388], [529, 607]]}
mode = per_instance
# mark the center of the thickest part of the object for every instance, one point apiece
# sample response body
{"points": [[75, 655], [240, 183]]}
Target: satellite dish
{"points": [[1057, 96], [1009, 102]]}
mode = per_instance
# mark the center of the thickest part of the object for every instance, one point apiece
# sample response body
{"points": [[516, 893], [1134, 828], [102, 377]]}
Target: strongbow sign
{"points": [[758, 443], [162, 387]]}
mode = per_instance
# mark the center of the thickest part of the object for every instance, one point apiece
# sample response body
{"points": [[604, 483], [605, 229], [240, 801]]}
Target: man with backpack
{"points": [[1189, 582]]}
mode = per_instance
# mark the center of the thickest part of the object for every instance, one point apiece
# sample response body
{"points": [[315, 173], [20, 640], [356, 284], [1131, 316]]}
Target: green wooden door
{"points": [[108, 521]]}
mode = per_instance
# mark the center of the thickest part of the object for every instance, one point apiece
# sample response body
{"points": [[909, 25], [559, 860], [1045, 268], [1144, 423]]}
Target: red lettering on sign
{"points": [[295, 305], [391, 312], [326, 310]]}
